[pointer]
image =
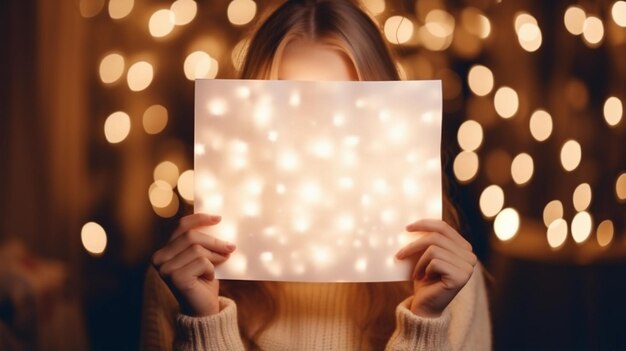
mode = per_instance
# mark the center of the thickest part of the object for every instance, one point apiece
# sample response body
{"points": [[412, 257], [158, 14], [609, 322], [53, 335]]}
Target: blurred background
{"points": [[96, 156]]}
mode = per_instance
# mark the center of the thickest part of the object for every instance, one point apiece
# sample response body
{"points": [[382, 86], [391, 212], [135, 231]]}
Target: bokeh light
{"points": [[470, 135], [618, 11], [522, 168], [160, 193], [465, 166], [593, 31], [613, 111], [161, 23], [90, 8], [375, 7], [398, 29], [184, 11], [170, 210], [119, 9], [557, 233], [111, 68], [620, 187], [166, 171], [604, 233], [185, 185], [241, 12], [117, 127], [475, 22], [571, 154], [139, 76], [155, 119], [480, 80], [552, 212], [491, 200], [94, 238], [200, 65], [582, 197], [528, 32], [574, 20], [540, 125], [506, 224], [506, 102], [581, 226]]}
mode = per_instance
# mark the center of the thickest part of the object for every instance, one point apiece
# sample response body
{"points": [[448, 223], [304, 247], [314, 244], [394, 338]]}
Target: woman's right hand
{"points": [[187, 264]]}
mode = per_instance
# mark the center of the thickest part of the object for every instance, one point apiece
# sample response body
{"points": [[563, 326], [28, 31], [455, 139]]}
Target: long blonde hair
{"points": [[344, 24]]}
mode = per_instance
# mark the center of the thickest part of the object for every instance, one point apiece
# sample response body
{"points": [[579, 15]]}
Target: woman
{"points": [[445, 305]]}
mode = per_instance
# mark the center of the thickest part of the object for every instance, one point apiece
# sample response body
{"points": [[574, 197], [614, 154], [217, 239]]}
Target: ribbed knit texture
{"points": [[318, 317]]}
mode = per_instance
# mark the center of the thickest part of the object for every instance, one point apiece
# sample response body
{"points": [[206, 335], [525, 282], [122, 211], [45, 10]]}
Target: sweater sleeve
{"points": [[217, 332], [464, 324]]}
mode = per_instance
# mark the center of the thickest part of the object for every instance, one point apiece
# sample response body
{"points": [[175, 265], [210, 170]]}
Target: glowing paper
{"points": [[316, 181]]}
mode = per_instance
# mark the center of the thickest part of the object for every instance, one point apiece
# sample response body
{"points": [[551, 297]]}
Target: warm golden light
{"points": [[90, 8], [398, 29], [613, 111], [575, 20], [582, 197], [470, 135], [169, 210], [439, 23], [155, 119], [375, 7], [581, 226], [552, 212], [618, 11], [480, 80], [120, 8], [185, 185], [522, 168], [139, 76], [166, 171], [506, 224], [117, 127], [541, 125], [491, 200], [506, 102], [465, 166], [528, 32], [94, 238], [184, 11], [620, 187], [475, 22], [241, 12], [571, 155], [604, 233], [593, 31], [111, 68], [161, 23], [557, 233], [160, 194], [200, 65]]}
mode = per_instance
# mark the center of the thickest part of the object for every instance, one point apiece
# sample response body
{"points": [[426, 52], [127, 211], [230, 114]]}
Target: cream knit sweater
{"points": [[316, 317]]}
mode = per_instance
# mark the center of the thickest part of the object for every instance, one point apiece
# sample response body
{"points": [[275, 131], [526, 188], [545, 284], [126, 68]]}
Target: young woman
{"points": [[444, 307]]}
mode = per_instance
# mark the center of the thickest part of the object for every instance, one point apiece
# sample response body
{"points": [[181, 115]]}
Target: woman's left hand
{"points": [[445, 263]]}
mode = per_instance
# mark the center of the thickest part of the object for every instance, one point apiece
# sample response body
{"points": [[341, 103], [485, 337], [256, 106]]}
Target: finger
{"points": [[194, 221], [451, 276], [190, 238], [186, 276], [438, 253], [188, 255], [420, 244], [436, 225]]}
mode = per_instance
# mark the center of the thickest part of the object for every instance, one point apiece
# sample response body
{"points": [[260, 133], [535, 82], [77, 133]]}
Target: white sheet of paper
{"points": [[316, 181]]}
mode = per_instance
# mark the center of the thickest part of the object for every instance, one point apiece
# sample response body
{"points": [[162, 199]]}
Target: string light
{"points": [[540, 125], [571, 155], [582, 197], [90, 8], [166, 171], [574, 20], [139, 76], [475, 22], [613, 111], [506, 102], [506, 224], [618, 11], [117, 127], [111, 68], [161, 23], [522, 168], [184, 11], [375, 7], [593, 31], [552, 212], [620, 187], [604, 233], [465, 166], [491, 200], [200, 65], [480, 80], [186, 185], [470, 135], [581, 226], [557, 233], [155, 119]]}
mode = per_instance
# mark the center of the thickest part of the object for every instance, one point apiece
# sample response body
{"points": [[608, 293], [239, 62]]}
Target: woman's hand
{"points": [[187, 264], [445, 263]]}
